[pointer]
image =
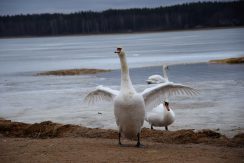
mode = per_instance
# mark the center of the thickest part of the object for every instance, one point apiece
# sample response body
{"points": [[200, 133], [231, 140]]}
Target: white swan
{"points": [[156, 79], [161, 116], [129, 106]]}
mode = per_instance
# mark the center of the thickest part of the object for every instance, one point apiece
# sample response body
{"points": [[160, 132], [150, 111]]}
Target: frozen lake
{"points": [[28, 98]]}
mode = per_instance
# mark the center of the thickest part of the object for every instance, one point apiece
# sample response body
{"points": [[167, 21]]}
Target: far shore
{"points": [[122, 33]]}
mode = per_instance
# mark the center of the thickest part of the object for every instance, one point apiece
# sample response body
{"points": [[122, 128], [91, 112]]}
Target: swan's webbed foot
{"points": [[138, 144], [166, 128]]}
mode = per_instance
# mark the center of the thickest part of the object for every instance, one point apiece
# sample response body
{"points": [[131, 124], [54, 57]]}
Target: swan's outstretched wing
{"points": [[153, 96], [101, 93]]}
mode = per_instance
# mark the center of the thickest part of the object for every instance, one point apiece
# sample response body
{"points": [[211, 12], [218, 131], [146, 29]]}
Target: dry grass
{"points": [[229, 60], [73, 72]]}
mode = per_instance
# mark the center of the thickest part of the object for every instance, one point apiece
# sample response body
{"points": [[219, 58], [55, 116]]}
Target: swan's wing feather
{"points": [[101, 93], [153, 96]]}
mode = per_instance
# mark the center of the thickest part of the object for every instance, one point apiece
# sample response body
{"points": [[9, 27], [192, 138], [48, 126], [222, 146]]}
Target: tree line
{"points": [[185, 16]]}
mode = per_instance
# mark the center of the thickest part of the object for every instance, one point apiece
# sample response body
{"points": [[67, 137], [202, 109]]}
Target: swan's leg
{"points": [[119, 139], [151, 127], [166, 128], [138, 141]]}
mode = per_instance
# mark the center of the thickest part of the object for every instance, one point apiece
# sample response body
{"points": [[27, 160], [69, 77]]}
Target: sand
{"points": [[52, 142]]}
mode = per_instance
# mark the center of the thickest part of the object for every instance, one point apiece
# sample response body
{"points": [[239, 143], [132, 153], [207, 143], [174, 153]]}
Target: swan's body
{"points": [[160, 116], [129, 106], [130, 115], [156, 79]]}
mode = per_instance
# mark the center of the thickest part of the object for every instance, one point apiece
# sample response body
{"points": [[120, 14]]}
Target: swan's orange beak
{"points": [[118, 50]]}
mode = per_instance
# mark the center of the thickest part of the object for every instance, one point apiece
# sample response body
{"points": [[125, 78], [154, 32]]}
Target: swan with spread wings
{"points": [[129, 105]]}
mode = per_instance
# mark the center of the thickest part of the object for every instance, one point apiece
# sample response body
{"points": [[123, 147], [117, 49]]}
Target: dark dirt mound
{"points": [[49, 129], [187, 136]]}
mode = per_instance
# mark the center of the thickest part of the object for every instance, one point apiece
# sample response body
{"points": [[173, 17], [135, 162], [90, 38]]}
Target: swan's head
{"points": [[166, 104], [166, 67], [120, 52]]}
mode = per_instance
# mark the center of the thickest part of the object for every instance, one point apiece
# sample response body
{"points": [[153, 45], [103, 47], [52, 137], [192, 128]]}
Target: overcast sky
{"points": [[14, 7]]}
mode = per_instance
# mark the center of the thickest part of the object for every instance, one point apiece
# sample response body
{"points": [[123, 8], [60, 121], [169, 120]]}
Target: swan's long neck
{"points": [[126, 84], [165, 73]]}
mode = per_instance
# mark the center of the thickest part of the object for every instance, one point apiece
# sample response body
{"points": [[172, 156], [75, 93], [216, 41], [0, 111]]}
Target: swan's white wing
{"points": [[101, 93], [153, 96]]}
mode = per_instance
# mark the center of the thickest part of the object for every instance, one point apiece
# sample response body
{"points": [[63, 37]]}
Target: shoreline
{"points": [[74, 143], [49, 129]]}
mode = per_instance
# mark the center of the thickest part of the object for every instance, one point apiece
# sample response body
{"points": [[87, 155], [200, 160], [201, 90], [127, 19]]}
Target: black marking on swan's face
{"points": [[166, 104], [118, 50]]}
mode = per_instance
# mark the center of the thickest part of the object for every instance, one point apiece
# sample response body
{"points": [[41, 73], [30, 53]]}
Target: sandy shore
{"points": [[52, 142]]}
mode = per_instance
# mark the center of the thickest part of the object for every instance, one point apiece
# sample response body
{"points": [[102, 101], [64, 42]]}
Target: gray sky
{"points": [[14, 7]]}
